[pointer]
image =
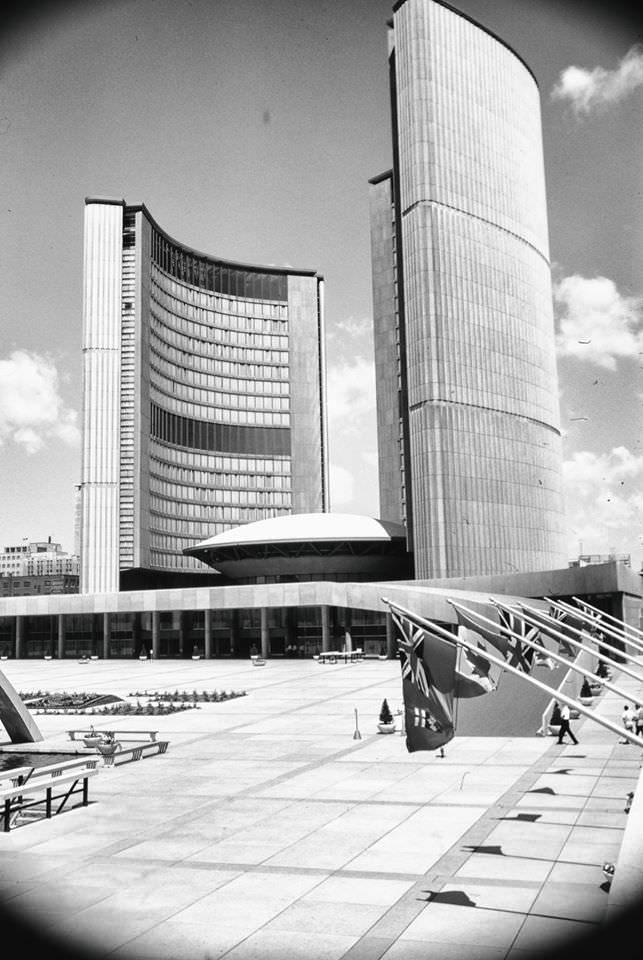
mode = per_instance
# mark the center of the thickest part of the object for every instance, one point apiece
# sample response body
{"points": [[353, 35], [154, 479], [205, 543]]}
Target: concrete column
{"points": [[61, 636], [265, 634], [207, 634], [325, 625], [348, 639], [390, 637], [182, 650], [155, 634], [19, 632], [234, 627], [105, 636]]}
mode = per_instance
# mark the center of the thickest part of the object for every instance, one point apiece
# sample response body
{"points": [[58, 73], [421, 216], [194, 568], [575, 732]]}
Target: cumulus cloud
{"points": [[351, 395], [604, 503], [32, 411], [597, 323], [592, 90]]}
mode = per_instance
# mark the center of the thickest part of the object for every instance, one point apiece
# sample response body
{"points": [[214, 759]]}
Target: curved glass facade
{"points": [[468, 422], [215, 402]]}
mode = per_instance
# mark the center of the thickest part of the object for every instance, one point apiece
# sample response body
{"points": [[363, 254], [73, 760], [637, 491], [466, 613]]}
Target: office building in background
{"points": [[467, 394], [204, 399]]}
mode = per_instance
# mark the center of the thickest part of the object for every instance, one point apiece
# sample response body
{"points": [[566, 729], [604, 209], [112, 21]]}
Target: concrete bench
{"points": [[119, 734], [44, 789], [135, 753], [18, 776]]}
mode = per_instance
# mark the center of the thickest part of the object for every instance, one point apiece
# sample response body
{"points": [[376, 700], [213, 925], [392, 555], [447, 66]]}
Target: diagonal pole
{"points": [[599, 625], [532, 621], [442, 634], [580, 633], [608, 616]]}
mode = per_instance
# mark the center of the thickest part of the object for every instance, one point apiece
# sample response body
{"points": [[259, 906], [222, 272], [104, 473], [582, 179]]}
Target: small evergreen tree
{"points": [[385, 712]]}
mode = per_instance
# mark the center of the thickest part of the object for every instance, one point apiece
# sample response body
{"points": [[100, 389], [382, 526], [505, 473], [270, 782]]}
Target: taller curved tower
{"points": [[467, 395], [203, 398]]}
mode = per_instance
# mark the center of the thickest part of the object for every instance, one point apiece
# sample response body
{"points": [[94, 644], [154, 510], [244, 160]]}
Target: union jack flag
{"points": [[519, 655], [414, 668]]}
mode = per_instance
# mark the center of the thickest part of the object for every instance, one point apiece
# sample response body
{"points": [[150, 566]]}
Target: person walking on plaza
{"points": [[628, 720], [565, 715], [638, 720]]}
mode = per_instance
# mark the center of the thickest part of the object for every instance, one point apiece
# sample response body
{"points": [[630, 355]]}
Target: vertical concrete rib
{"points": [[101, 393]]}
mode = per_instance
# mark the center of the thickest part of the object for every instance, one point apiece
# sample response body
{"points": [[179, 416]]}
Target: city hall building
{"points": [[203, 399], [204, 510], [469, 442]]}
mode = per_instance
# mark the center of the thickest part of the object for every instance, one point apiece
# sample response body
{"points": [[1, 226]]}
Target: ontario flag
{"points": [[430, 683]]}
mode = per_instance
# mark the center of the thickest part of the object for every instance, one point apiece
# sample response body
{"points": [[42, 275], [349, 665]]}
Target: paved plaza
{"points": [[272, 828]]}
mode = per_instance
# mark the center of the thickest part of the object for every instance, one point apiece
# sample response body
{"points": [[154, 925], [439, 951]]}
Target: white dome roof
{"points": [[297, 527]]}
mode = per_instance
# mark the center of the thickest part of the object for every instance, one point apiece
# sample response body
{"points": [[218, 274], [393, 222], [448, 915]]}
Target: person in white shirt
{"points": [[565, 715]]}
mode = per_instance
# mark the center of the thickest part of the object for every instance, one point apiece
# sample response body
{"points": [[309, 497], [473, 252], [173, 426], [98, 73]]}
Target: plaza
{"points": [[281, 824]]}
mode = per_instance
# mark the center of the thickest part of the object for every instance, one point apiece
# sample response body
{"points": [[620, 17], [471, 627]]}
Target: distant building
{"points": [[469, 444], [40, 558], [588, 559], [26, 585], [204, 399]]}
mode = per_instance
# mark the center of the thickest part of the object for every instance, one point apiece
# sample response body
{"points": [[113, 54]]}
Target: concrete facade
{"points": [[204, 397], [469, 438]]}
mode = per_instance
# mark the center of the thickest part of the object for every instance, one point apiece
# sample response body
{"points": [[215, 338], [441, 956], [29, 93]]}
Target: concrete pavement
{"points": [[269, 829]]}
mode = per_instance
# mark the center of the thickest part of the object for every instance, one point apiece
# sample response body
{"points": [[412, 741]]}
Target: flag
{"points": [[428, 685], [559, 616], [516, 653], [491, 634]]}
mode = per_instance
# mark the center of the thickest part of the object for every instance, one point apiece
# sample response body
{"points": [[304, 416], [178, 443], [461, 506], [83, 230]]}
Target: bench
{"points": [[44, 789], [120, 734], [333, 656], [135, 753], [18, 776]]}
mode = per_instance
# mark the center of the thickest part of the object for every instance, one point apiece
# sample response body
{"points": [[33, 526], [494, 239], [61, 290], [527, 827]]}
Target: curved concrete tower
{"points": [[468, 422]]}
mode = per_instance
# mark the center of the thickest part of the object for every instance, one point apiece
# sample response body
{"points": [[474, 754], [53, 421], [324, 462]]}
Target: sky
{"points": [[250, 130]]}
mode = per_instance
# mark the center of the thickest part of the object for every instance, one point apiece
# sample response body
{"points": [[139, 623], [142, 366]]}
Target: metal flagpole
{"points": [[567, 608], [441, 634], [567, 639], [609, 616], [533, 622], [600, 625]]}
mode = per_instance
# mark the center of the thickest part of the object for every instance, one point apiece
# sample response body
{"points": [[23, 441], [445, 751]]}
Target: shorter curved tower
{"points": [[203, 397], [467, 390]]}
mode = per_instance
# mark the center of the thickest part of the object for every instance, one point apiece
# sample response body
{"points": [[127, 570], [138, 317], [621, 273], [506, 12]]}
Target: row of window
{"points": [[226, 416], [203, 352], [172, 502], [237, 394], [251, 382], [219, 311], [221, 437], [173, 463], [245, 364], [171, 545], [194, 338], [174, 319], [214, 275]]}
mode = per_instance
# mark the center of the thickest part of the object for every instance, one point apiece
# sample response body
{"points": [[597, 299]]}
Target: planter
{"points": [[47, 656], [196, 656], [554, 729], [108, 749], [386, 727], [93, 741], [94, 656], [586, 701]]}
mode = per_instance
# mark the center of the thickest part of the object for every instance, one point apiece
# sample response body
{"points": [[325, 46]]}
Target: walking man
{"points": [[564, 724]]}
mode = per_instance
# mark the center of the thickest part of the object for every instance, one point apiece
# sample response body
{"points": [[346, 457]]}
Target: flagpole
{"points": [[599, 625], [441, 633], [563, 607], [533, 622], [561, 636], [609, 616]]}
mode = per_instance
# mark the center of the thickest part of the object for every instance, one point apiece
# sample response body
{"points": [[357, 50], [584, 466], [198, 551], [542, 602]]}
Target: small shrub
{"points": [[385, 712]]}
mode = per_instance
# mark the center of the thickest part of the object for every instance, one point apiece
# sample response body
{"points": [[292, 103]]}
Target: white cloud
{"points": [[596, 323], [342, 486], [591, 90], [32, 411], [351, 395], [604, 503]]}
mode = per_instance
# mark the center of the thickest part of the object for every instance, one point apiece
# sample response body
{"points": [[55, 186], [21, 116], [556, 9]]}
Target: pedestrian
{"points": [[565, 715], [638, 720], [627, 721]]}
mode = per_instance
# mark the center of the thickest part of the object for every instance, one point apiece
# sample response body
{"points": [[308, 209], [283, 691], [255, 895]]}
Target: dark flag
{"points": [[564, 648], [428, 686], [516, 653]]}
